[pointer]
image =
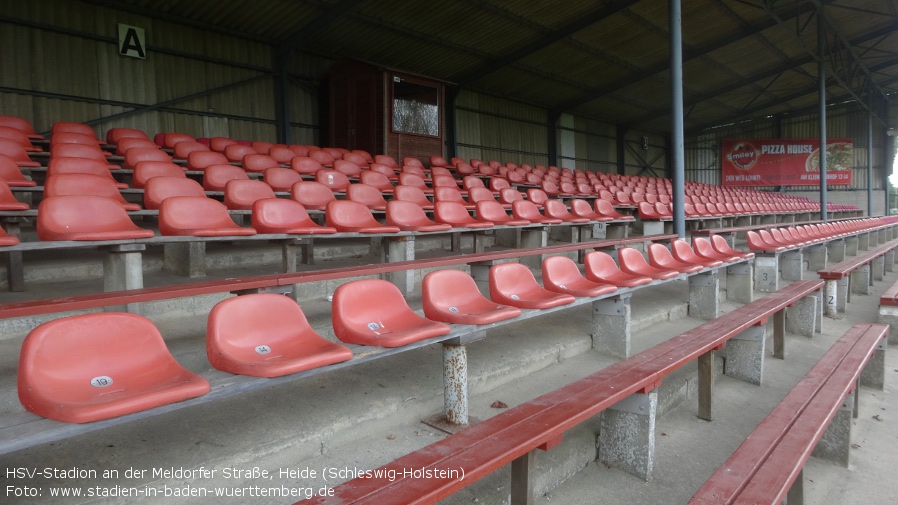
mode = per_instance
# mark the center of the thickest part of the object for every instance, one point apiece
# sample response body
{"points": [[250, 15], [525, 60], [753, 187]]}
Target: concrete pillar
{"points": [[801, 317], [835, 444], [831, 296], [455, 383], [122, 270], [851, 245], [843, 294], [873, 375], [878, 268], [863, 241], [860, 280], [740, 282], [745, 355], [187, 259], [836, 250], [652, 227], [611, 325], [767, 274], [627, 434], [704, 295], [617, 230], [889, 261], [889, 315], [399, 249], [792, 265], [534, 238], [817, 257]]}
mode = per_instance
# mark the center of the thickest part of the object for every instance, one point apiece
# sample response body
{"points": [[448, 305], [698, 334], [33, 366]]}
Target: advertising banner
{"points": [[785, 162]]}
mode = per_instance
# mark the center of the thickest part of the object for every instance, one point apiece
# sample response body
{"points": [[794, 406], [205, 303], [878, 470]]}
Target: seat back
{"points": [[480, 194], [325, 158], [557, 209], [560, 271], [12, 174], [438, 161], [498, 184], [406, 215], [412, 194], [407, 179], [172, 139], [82, 184], [510, 195], [116, 135], [200, 160], [255, 162], [506, 280], [582, 208], [356, 158], [346, 214], [385, 170], [20, 124], [261, 147], [537, 196], [194, 215], [452, 296], [312, 195], [366, 195], [386, 160], [78, 151], [183, 149], [305, 165], [72, 127], [126, 144], [631, 259], [336, 181], [85, 217], [216, 177], [157, 189], [96, 366], [138, 154], [281, 154], [376, 179], [349, 168], [452, 213], [280, 215], [448, 194], [524, 209], [281, 179], [235, 152], [63, 165], [15, 151], [491, 210], [600, 265], [241, 194]]}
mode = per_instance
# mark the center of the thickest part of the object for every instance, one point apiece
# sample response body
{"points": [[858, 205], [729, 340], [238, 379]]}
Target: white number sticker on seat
{"points": [[101, 381], [263, 349]]}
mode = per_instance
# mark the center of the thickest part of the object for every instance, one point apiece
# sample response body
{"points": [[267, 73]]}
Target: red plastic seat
{"points": [[85, 217], [16, 152], [558, 210], [349, 216], [376, 179], [336, 181], [582, 208], [12, 175], [198, 217], [281, 179], [115, 135], [452, 296], [266, 335], [523, 209], [72, 127], [455, 214], [600, 267], [604, 208], [661, 257], [305, 165], [476, 194], [219, 144], [406, 179], [380, 168], [347, 167], [373, 312], [126, 144], [281, 154], [280, 215], [92, 152], [86, 184], [632, 262], [216, 177], [20, 124], [6, 239], [438, 161], [562, 275], [703, 249], [19, 137], [171, 139], [321, 156], [369, 196], [255, 162], [183, 150], [409, 216], [684, 253], [62, 165], [513, 284], [138, 154], [261, 147], [8, 201], [721, 245], [200, 160], [242, 194], [157, 189], [449, 194], [510, 195], [493, 211], [647, 211], [414, 195], [85, 368], [236, 152], [312, 195]]}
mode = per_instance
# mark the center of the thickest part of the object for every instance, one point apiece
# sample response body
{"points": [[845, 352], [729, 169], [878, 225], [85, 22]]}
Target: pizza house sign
{"points": [[785, 162]]}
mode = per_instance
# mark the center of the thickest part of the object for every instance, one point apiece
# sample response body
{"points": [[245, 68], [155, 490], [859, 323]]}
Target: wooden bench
{"points": [[625, 393], [767, 467], [856, 275], [888, 308]]}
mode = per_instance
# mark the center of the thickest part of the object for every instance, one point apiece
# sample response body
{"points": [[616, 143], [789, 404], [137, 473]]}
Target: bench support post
{"points": [[801, 318], [889, 315], [863, 241], [455, 383], [745, 355], [889, 261], [873, 375], [835, 444], [652, 227], [792, 265], [879, 268], [779, 334], [617, 230], [851, 245], [123, 269], [187, 259], [817, 257], [704, 295], [627, 434], [860, 280], [836, 250], [15, 271], [611, 325], [795, 495], [740, 282], [706, 377], [400, 249], [522, 483], [767, 274], [534, 238]]}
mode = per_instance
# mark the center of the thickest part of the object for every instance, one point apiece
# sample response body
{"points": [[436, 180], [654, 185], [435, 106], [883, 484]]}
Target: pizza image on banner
{"points": [[785, 162]]}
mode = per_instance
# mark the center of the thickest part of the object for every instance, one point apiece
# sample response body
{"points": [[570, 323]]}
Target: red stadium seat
{"points": [[138, 154], [236, 152], [457, 215], [116, 135], [85, 368], [86, 184], [312, 195], [409, 216], [582, 208], [600, 267], [241, 194], [62, 165], [348, 216], [12, 175], [6, 239], [562, 275], [216, 177], [438, 161], [684, 253], [556, 209], [261, 147], [280, 215], [157, 189], [412, 194], [255, 162], [183, 149], [266, 335], [72, 127], [721, 245], [8, 201], [537, 196], [171, 139], [450, 194], [200, 160], [523, 209], [145, 170], [219, 144], [281, 179], [198, 217], [406, 179], [376, 179], [389, 172], [347, 167], [633, 263], [386, 160], [452, 296], [336, 181], [281, 154], [126, 144], [373, 312], [513, 284], [493, 211], [604, 208], [87, 217], [660, 257], [326, 159], [369, 196], [704, 250], [16, 152], [305, 165], [20, 124], [19, 137]]}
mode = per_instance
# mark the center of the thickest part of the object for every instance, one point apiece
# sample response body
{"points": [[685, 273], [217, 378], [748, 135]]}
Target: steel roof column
{"points": [[821, 76], [552, 136], [677, 149], [621, 142], [282, 94], [451, 122], [870, 157]]}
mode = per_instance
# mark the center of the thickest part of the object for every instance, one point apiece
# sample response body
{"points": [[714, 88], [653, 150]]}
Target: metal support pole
{"points": [[552, 136], [821, 76], [870, 158], [282, 88], [621, 142], [678, 157], [451, 122]]}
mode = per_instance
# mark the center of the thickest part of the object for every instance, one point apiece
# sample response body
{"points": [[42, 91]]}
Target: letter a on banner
{"points": [[131, 41]]}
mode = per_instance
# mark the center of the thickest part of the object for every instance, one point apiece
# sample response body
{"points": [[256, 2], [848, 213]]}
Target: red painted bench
{"points": [[628, 388], [767, 467], [856, 275]]}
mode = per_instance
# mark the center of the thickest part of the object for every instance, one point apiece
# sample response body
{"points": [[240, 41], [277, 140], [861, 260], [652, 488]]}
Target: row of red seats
{"points": [[788, 237], [265, 335]]}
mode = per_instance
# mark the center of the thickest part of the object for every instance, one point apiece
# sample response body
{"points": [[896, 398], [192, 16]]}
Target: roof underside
{"points": [[610, 60]]}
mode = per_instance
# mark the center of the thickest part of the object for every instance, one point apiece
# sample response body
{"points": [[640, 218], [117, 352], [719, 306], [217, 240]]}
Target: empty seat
{"points": [[447, 194], [452, 296], [198, 217], [721, 245], [558, 210], [216, 177], [376, 179], [138, 154], [493, 211], [537, 196], [562, 275], [146, 170], [438, 161], [412, 194], [498, 184], [600, 267], [85, 368], [79, 151], [6, 239], [684, 253], [218, 144], [356, 158], [389, 172], [604, 208], [455, 214], [523, 209], [182, 150], [258, 162], [305, 165], [8, 201], [321, 156], [347, 167], [386, 160], [369, 196], [513, 284], [235, 152], [85, 217], [200, 160], [157, 189], [172, 139], [19, 137], [281, 179], [74, 138], [312, 195], [126, 144], [242, 194], [660, 257], [509, 196], [261, 147], [266, 335], [72, 127], [281, 154], [115, 135], [373, 312], [349, 216], [336, 181], [62, 165], [16, 152], [86, 184], [279, 215], [12, 175], [409, 216], [406, 179], [704, 250], [632, 262], [476, 194], [582, 208], [20, 124]]}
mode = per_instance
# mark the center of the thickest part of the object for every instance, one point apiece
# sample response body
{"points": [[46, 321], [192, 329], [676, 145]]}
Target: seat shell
{"points": [[12, 175], [721, 245], [373, 312], [558, 210], [198, 217], [312, 195], [561, 275], [280, 215], [412, 194], [281, 179], [605, 208], [632, 262], [660, 257], [200, 160], [523, 209], [64, 165], [683, 252], [90, 367], [703, 249], [369, 196], [513, 284], [493, 211], [242, 194], [85, 217], [349, 216], [600, 267], [266, 335], [8, 201], [455, 214], [333, 179], [409, 216], [138, 154], [216, 177], [452, 296], [157, 189], [86, 184]]}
